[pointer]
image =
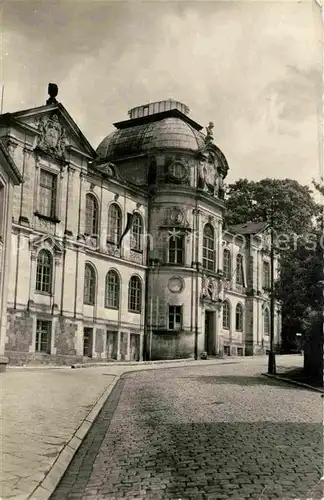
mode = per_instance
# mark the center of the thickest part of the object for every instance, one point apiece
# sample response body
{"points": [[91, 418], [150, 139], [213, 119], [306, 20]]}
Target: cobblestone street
{"points": [[201, 432]]}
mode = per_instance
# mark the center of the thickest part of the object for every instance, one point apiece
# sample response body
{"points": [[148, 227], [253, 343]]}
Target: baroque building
{"points": [[122, 253]]}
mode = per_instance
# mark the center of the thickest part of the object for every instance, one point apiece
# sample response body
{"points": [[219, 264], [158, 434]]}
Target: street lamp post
{"points": [[272, 357]]}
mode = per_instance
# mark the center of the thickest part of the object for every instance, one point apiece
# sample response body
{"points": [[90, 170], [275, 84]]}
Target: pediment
{"points": [[56, 132], [48, 242]]}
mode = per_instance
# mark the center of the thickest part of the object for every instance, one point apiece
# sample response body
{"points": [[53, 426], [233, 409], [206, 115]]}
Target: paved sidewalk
{"points": [[43, 408]]}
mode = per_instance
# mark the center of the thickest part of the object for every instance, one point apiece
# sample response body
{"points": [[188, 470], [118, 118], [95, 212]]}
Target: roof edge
{"points": [[13, 169], [157, 117]]}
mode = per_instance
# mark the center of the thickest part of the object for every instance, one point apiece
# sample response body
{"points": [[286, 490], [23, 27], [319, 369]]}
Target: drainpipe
{"points": [[197, 272], [147, 347]]}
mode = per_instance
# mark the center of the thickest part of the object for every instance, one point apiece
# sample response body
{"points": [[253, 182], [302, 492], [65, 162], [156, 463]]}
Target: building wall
{"points": [[6, 200], [64, 307], [119, 333]]}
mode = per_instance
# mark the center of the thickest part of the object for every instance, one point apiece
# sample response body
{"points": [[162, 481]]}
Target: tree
{"points": [[293, 203], [294, 213]]}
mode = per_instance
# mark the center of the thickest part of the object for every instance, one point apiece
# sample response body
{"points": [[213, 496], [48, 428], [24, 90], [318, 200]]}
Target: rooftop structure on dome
{"points": [[157, 125], [157, 107]]}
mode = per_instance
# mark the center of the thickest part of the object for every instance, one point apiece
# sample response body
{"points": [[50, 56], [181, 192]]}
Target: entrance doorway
{"points": [[210, 333], [87, 342], [112, 342], [134, 347]]}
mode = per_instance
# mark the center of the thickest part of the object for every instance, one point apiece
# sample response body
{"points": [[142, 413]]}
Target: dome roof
{"points": [[170, 129]]}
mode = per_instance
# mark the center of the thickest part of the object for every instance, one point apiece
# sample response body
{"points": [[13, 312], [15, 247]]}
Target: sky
{"points": [[252, 67]]}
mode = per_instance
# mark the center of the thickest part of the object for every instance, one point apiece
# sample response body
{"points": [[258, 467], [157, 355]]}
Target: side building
{"points": [[121, 253]]}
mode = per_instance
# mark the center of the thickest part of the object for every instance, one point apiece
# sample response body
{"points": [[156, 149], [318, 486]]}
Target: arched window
{"points": [[239, 270], [89, 285], [114, 224], [91, 221], [266, 322], [209, 248], [226, 315], [135, 294], [266, 275], [137, 233], [112, 289], [176, 249], [227, 264], [44, 272], [239, 318]]}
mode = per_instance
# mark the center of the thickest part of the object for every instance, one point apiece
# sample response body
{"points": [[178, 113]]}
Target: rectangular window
{"points": [[87, 342], [176, 249], [266, 275], [175, 318], [239, 270], [227, 350], [43, 336], [47, 193]]}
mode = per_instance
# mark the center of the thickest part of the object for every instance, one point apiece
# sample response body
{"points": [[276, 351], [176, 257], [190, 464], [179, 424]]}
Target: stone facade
{"points": [[83, 286], [9, 177]]}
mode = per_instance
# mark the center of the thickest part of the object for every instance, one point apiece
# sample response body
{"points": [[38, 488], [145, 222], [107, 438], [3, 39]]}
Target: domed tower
{"points": [[162, 148]]}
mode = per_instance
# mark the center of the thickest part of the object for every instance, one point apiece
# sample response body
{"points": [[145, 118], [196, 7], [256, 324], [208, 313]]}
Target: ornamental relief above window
{"points": [[176, 216]]}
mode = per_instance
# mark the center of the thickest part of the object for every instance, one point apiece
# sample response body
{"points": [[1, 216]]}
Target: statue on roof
{"points": [[209, 133], [52, 92]]}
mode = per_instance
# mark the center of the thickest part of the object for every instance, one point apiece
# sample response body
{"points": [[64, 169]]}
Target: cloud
{"points": [[251, 67]]}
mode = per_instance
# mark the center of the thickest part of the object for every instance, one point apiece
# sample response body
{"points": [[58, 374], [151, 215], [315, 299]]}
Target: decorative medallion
{"points": [[178, 171], [176, 284], [176, 217], [52, 137]]}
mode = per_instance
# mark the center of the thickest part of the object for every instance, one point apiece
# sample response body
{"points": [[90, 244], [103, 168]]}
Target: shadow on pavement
{"points": [[241, 380]]}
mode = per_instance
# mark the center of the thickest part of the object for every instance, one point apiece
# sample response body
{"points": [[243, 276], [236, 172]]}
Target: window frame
{"points": [[266, 275], [91, 223], [38, 338], [115, 291], [239, 323], [178, 250], [209, 251], [239, 269], [135, 295], [266, 314], [173, 313], [136, 233], [226, 326], [114, 224], [42, 286], [44, 212], [90, 291], [227, 270]]}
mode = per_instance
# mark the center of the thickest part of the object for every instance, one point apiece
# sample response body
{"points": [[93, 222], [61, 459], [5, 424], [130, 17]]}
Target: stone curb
{"points": [[294, 382], [46, 488], [99, 364], [134, 363]]}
